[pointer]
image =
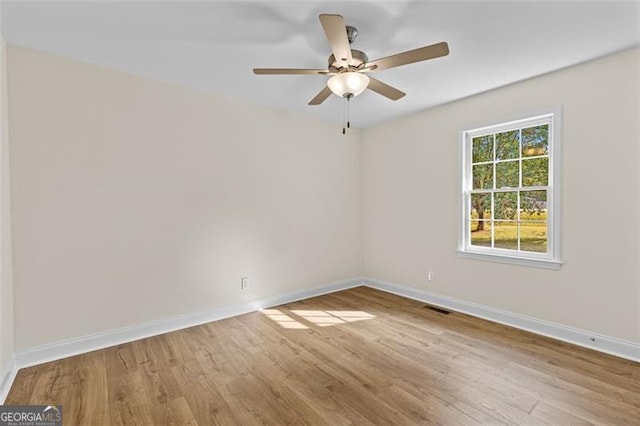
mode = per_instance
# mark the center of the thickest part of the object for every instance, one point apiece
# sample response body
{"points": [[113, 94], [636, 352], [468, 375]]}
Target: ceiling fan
{"points": [[348, 67]]}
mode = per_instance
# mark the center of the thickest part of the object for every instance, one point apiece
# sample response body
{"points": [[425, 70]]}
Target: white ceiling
{"points": [[213, 45]]}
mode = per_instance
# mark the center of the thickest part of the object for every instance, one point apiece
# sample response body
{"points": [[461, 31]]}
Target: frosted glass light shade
{"points": [[348, 82]]}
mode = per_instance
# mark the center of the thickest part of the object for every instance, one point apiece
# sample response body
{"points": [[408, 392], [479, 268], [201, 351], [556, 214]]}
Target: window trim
{"points": [[550, 260]]}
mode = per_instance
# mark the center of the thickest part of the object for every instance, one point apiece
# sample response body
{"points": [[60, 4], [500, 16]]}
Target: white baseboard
{"points": [[7, 380], [70, 347], [598, 342]]}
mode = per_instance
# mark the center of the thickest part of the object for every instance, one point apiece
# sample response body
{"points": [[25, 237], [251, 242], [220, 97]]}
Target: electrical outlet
{"points": [[431, 276], [244, 283]]}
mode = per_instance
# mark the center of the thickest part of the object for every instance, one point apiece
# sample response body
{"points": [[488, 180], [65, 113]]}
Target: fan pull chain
{"points": [[344, 106], [346, 118]]}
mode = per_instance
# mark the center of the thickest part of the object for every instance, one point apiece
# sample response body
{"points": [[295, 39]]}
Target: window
{"points": [[510, 192]]}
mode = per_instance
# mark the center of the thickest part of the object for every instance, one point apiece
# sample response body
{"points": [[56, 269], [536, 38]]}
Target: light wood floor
{"points": [[355, 357]]}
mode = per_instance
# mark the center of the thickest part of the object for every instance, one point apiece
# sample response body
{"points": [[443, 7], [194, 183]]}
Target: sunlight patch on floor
{"points": [[319, 318], [316, 317], [329, 318], [284, 320]]}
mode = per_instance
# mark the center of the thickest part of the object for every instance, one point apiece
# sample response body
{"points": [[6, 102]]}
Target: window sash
{"points": [[552, 240]]}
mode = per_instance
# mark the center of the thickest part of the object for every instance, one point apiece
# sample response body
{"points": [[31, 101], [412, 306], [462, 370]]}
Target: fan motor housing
{"points": [[359, 60]]}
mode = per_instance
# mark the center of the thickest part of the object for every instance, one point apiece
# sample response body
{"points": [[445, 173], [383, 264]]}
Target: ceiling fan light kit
{"points": [[348, 83], [348, 67]]}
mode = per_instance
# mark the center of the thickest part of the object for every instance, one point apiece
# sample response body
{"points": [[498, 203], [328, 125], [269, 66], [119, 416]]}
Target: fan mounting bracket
{"points": [[352, 33]]}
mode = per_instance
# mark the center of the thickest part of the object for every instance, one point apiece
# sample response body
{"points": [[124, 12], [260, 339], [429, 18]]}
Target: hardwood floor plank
{"points": [[129, 402], [175, 412], [555, 416], [359, 356]]}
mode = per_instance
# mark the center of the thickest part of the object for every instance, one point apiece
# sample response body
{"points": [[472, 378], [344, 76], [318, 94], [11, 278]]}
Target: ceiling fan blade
{"points": [[283, 71], [416, 55], [336, 32], [321, 97], [384, 89]]}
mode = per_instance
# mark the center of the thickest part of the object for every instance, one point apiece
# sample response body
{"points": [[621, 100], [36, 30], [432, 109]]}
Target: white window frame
{"points": [[549, 260]]}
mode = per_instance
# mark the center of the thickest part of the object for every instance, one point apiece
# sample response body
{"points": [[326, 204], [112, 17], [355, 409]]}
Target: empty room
{"points": [[320, 213]]}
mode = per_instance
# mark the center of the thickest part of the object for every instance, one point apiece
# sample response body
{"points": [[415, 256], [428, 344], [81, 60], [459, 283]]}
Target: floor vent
{"points": [[439, 310]]}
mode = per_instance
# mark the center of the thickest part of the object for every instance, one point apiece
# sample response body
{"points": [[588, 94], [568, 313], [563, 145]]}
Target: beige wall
{"points": [[6, 283], [411, 198], [136, 200]]}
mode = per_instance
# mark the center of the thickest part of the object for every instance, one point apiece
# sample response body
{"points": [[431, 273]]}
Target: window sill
{"points": [[522, 261]]}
